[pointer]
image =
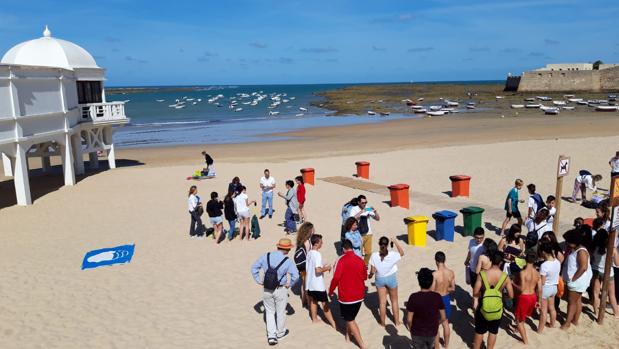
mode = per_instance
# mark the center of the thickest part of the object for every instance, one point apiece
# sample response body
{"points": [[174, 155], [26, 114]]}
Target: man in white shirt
{"points": [[475, 248], [267, 184], [364, 214], [535, 201]]}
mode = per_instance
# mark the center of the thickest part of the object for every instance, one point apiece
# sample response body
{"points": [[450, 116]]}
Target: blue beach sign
{"points": [[108, 256]]}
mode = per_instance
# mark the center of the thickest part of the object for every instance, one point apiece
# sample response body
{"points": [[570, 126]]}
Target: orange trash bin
{"points": [[363, 169], [460, 185], [399, 195], [308, 175]]}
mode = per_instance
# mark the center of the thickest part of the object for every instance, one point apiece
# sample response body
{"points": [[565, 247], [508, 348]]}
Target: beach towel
{"points": [[108, 256], [255, 227]]}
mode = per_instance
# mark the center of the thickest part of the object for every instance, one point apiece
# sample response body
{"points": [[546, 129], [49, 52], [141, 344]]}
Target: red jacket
{"points": [[301, 194], [349, 277]]}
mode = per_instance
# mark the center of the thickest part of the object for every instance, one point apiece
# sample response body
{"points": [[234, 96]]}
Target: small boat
{"points": [[470, 106], [385, 113], [435, 107], [612, 98], [300, 114], [530, 99], [517, 106], [194, 103], [448, 110], [303, 109], [544, 98], [582, 102], [413, 107], [451, 104], [568, 96], [568, 108], [559, 103], [420, 99], [238, 109], [607, 108], [179, 106], [530, 106], [273, 113], [371, 113], [499, 97], [420, 111], [551, 111], [160, 100], [436, 113], [470, 103], [574, 100]]}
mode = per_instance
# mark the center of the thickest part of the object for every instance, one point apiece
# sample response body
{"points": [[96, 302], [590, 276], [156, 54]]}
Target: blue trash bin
{"points": [[445, 225]]}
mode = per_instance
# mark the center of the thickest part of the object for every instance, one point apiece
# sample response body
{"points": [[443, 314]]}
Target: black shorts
{"points": [[349, 311], [472, 277], [513, 214], [482, 325], [318, 296]]}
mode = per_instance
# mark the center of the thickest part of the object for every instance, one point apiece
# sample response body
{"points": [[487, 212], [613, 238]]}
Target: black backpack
{"points": [[538, 201], [271, 281], [300, 256]]}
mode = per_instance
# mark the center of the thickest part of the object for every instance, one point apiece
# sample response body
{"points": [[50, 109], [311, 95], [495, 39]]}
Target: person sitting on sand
{"points": [[426, 311], [349, 277], [214, 208], [314, 282], [241, 205], [578, 275], [279, 273], [383, 264], [529, 285], [549, 272], [585, 180], [511, 205], [290, 224], [444, 284]]}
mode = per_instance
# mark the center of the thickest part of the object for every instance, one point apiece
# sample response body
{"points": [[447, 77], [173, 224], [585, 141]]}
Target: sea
{"points": [[229, 117]]}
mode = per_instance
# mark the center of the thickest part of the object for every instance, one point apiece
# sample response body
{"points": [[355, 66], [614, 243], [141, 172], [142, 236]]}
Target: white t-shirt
{"points": [[370, 214], [614, 162], [267, 183], [193, 202], [476, 251], [551, 215], [240, 202], [540, 228], [551, 270], [313, 281], [532, 204], [387, 266]]}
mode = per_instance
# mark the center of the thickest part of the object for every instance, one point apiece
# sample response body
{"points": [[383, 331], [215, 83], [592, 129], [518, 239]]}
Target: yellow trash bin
{"points": [[416, 230]]}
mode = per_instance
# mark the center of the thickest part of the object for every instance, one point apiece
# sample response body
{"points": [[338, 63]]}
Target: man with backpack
{"points": [[364, 214], [535, 202], [489, 287], [280, 273]]}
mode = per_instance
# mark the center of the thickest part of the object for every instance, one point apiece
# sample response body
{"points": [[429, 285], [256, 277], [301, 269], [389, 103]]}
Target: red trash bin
{"points": [[308, 175], [399, 195], [363, 169], [460, 185]]}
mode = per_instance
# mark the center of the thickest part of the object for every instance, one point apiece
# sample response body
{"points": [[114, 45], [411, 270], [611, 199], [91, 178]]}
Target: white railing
{"points": [[103, 112]]}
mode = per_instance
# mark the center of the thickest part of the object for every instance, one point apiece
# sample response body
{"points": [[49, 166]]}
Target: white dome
{"points": [[50, 52]]}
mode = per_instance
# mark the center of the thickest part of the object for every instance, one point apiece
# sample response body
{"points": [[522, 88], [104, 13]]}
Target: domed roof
{"points": [[48, 51]]}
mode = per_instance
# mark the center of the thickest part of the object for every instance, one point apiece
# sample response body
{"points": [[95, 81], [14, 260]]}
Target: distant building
{"points": [[566, 77], [52, 103]]}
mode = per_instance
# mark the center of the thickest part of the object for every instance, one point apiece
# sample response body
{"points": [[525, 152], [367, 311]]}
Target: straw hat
{"points": [[284, 244]]}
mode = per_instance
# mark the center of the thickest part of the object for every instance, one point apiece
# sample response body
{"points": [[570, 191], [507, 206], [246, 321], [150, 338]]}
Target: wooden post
{"points": [[563, 169], [614, 201]]}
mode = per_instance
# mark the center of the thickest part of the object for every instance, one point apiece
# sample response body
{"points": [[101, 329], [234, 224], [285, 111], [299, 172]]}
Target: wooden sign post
{"points": [[563, 169], [614, 220]]}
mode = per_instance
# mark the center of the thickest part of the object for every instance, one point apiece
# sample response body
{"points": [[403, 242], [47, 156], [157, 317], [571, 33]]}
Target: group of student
{"points": [[235, 208]]}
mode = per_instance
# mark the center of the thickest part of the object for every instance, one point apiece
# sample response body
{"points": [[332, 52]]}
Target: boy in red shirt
{"points": [[349, 278]]}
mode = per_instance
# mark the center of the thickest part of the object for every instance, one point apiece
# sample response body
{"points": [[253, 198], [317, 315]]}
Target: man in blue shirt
{"points": [[275, 301]]}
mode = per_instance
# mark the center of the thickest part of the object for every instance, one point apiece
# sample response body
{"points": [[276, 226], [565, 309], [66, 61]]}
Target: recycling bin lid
{"points": [[416, 219], [362, 163], [399, 186], [471, 209], [444, 214], [459, 177], [307, 169]]}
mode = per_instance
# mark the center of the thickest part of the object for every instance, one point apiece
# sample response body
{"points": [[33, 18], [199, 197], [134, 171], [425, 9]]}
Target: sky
{"points": [[191, 42]]}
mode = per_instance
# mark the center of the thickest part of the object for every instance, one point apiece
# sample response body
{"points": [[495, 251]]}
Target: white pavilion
{"points": [[52, 103]]}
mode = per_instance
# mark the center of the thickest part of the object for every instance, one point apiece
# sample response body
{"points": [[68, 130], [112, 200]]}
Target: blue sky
{"points": [[265, 42]]}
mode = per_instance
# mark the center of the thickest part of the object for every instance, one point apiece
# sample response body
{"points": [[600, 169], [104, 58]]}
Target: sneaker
{"points": [[283, 335], [272, 341], [262, 216], [270, 216]]}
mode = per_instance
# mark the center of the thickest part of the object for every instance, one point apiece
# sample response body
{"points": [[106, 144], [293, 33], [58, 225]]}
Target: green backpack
{"points": [[492, 299]]}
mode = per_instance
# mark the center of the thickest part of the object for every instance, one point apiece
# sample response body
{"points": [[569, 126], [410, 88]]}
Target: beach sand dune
{"points": [[184, 293]]}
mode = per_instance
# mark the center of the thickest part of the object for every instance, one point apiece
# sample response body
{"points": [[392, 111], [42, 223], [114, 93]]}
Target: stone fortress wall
{"points": [[544, 80]]}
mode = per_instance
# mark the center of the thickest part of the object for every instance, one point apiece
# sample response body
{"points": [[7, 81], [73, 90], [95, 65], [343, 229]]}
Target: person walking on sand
{"points": [[352, 234], [241, 205], [511, 205], [476, 249], [301, 198], [230, 214], [444, 284], [279, 273], [364, 214], [383, 264], [489, 286], [349, 277], [529, 285], [585, 180], [290, 224], [549, 273], [535, 201], [214, 208], [267, 184], [426, 311], [314, 283], [195, 211], [578, 275]]}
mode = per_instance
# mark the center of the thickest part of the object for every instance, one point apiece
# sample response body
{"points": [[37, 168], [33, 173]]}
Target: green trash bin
{"points": [[472, 219]]}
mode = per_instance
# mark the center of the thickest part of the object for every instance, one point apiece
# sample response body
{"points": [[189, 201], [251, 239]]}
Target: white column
{"points": [[45, 163], [77, 153], [67, 161], [108, 139], [94, 160], [8, 165], [22, 183]]}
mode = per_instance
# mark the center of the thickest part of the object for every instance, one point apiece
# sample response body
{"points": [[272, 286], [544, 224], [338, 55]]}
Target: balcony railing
{"points": [[103, 112]]}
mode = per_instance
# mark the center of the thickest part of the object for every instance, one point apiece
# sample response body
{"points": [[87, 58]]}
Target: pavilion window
{"points": [[89, 92]]}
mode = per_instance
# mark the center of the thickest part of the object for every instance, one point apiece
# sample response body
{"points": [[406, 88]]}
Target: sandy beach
{"points": [[184, 293]]}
